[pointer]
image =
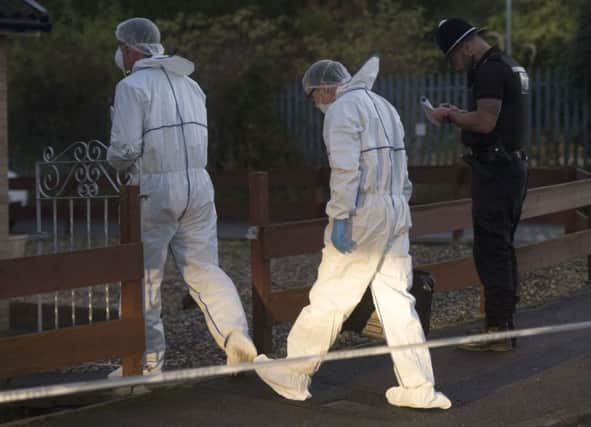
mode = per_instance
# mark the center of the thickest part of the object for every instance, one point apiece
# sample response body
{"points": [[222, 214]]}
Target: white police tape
{"points": [[218, 370]]}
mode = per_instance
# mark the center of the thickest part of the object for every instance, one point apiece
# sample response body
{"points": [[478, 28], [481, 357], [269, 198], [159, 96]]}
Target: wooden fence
{"points": [[292, 224], [19, 277], [559, 202], [231, 197], [558, 119]]}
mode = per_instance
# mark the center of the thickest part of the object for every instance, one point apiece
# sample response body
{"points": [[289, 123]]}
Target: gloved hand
{"points": [[341, 236]]}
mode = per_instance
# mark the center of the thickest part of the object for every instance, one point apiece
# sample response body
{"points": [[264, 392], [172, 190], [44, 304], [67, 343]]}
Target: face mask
{"points": [[119, 60], [323, 107]]}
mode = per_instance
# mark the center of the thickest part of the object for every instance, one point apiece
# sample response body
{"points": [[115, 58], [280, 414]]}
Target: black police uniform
{"points": [[499, 181]]}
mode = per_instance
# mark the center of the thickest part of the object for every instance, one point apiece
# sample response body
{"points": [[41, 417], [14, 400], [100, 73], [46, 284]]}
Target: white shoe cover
{"points": [[423, 397], [287, 383], [152, 366], [239, 349]]}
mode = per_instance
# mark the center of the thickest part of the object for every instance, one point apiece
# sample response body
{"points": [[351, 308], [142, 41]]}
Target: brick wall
{"points": [[3, 150]]}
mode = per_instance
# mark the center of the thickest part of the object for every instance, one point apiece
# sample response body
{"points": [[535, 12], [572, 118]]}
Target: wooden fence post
{"points": [[131, 291], [258, 184], [584, 221], [570, 224], [321, 182], [589, 257]]}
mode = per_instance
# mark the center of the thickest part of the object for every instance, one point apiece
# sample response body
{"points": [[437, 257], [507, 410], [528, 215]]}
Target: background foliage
{"points": [[61, 84]]}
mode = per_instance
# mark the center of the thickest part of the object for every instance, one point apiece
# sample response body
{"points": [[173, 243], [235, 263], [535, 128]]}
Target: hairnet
{"points": [[140, 34], [325, 73]]}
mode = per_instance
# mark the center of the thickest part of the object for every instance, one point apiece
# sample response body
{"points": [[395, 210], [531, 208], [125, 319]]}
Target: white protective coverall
{"points": [[369, 183], [160, 127]]}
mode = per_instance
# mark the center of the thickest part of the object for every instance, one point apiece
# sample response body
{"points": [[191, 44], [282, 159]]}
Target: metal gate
{"points": [[77, 207]]}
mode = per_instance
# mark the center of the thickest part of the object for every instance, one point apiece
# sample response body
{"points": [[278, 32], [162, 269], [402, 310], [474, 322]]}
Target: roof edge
{"points": [[36, 6]]}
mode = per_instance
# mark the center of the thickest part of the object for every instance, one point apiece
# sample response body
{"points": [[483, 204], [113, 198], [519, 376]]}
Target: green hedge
{"points": [[61, 84]]}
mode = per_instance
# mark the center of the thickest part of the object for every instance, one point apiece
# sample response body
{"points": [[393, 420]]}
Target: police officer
{"points": [[493, 129]]}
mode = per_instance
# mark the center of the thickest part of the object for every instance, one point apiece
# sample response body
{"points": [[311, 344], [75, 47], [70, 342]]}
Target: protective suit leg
{"points": [[342, 281], [196, 253], [395, 308], [155, 240]]}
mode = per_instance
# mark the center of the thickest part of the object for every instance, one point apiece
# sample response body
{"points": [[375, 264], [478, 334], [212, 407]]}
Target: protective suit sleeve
{"points": [[407, 184], [398, 131], [342, 128], [407, 188], [127, 127]]}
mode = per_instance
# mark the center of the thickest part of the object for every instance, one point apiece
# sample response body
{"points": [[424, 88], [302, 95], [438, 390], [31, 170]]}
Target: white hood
{"points": [[173, 64], [364, 78]]}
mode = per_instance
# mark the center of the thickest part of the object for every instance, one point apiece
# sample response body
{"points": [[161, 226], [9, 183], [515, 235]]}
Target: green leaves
{"points": [[246, 51], [544, 26], [60, 86]]}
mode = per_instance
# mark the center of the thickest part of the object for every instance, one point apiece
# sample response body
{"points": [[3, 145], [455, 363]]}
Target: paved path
{"points": [[546, 381]]}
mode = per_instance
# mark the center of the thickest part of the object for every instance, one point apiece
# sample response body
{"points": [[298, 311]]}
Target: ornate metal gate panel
{"points": [[77, 198]]}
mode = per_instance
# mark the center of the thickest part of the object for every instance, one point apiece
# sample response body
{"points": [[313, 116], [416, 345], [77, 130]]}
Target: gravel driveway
{"points": [[189, 343]]}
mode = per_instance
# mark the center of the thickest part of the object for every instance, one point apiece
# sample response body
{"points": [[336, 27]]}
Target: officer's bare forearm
{"points": [[472, 121], [483, 120]]}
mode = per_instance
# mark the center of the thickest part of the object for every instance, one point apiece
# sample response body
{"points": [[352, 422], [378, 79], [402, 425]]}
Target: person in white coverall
{"points": [[159, 134], [366, 242]]}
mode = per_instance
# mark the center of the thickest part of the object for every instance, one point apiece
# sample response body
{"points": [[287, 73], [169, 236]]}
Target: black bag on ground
{"points": [[422, 289]]}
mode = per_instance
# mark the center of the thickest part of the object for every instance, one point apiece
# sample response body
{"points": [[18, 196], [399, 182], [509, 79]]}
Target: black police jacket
{"points": [[498, 76]]}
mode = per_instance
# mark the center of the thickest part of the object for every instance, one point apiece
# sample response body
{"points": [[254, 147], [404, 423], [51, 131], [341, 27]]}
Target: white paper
{"points": [[428, 110]]}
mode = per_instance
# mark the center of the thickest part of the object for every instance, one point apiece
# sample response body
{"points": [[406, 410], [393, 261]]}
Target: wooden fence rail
{"points": [[300, 237], [232, 191], [26, 354], [232, 194]]}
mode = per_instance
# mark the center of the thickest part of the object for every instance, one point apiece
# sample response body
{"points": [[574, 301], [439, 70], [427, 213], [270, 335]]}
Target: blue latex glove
{"points": [[341, 236]]}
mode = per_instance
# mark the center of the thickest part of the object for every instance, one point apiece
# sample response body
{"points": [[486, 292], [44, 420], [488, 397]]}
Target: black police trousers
{"points": [[499, 188]]}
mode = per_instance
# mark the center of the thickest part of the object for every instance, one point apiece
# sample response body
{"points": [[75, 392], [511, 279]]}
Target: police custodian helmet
{"points": [[451, 32]]}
